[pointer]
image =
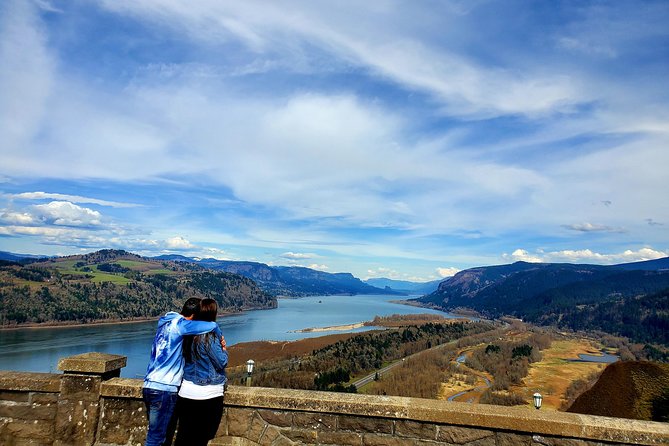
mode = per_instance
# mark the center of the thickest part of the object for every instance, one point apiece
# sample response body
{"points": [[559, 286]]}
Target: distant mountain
{"points": [[115, 285], [630, 389], [404, 286], [295, 281], [13, 257], [569, 295]]}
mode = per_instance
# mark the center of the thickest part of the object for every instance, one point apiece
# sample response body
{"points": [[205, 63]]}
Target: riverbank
{"points": [[344, 327], [75, 324]]}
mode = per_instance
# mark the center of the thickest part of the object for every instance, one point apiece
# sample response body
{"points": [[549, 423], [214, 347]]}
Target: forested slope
{"points": [[114, 285]]}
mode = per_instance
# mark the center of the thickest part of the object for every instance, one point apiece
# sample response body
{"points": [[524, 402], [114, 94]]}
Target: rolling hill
{"points": [[629, 299], [292, 281], [114, 285]]}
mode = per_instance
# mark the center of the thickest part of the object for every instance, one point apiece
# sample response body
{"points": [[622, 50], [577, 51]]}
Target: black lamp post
{"points": [[249, 371], [537, 400]]}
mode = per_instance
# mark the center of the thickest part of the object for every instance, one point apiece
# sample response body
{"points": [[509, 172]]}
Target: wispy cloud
{"points": [[70, 198], [406, 134], [591, 227]]}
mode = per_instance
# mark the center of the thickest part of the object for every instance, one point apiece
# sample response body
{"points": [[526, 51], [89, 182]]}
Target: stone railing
{"points": [[90, 405]]}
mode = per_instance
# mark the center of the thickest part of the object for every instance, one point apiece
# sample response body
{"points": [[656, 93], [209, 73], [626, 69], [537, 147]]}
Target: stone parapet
{"points": [[310, 417], [83, 407]]}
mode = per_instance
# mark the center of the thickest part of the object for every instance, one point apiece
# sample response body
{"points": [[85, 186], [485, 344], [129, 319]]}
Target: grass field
{"points": [[553, 374]]}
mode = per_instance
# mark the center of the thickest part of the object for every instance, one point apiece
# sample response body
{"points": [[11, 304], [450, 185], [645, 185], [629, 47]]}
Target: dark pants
{"points": [[160, 412], [198, 420]]}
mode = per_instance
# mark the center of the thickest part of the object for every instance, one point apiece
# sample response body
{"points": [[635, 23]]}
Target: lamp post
{"points": [[537, 400], [249, 371]]}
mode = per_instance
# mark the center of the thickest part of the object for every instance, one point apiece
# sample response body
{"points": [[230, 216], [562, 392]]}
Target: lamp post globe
{"points": [[249, 366], [537, 400]]}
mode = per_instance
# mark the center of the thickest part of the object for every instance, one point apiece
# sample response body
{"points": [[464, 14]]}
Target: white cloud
{"points": [[318, 267], [178, 243], [64, 213], [590, 227], [70, 198], [587, 256], [520, 255], [447, 272], [296, 255], [17, 218]]}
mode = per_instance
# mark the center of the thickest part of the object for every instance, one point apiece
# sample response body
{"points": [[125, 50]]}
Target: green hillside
{"points": [[114, 285]]}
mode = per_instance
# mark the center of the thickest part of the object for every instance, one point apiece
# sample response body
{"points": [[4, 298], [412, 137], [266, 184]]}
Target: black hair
{"points": [[207, 311], [191, 307]]}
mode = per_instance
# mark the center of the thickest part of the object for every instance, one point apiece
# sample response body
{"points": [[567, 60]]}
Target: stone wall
{"points": [[90, 405]]}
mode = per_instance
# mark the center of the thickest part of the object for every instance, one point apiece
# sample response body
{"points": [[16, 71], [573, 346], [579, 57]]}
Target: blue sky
{"points": [[386, 138]]}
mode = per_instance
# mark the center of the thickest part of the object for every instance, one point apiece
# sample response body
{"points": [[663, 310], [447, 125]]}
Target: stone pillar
{"points": [[79, 399]]}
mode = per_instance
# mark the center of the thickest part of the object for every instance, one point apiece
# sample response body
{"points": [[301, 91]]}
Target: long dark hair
{"points": [[207, 312]]}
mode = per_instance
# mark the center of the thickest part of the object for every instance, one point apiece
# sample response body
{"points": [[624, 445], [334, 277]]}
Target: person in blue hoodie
{"points": [[200, 402], [166, 366]]}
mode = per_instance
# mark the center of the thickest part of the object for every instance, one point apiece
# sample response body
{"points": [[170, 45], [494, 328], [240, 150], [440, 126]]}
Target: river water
{"points": [[38, 350]]}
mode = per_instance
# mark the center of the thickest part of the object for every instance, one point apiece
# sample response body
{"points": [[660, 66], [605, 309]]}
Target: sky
{"points": [[398, 139]]}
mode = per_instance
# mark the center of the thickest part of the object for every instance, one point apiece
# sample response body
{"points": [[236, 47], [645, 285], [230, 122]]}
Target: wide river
{"points": [[39, 349]]}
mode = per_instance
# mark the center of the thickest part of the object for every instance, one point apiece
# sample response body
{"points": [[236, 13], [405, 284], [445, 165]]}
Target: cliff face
{"points": [[633, 389]]}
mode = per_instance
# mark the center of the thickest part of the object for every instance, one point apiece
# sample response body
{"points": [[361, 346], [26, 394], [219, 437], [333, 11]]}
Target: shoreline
{"points": [[76, 324], [344, 327]]}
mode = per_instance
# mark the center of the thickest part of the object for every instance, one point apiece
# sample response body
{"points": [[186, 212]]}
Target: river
{"points": [[39, 349]]}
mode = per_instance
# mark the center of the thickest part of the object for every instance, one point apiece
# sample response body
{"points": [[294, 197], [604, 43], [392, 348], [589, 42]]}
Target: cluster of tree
{"points": [[360, 354], [643, 319], [31, 274], [509, 362], [422, 375], [65, 299], [619, 300], [114, 268]]}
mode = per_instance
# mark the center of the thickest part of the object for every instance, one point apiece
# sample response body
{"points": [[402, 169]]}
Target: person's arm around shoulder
{"points": [[190, 327]]}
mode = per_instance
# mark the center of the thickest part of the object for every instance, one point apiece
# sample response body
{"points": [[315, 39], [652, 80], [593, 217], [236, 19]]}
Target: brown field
{"points": [[403, 320], [553, 374], [261, 351]]}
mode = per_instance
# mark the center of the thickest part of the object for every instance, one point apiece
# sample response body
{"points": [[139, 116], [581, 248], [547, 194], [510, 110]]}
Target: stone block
{"points": [[386, 440], [80, 388], [238, 421], [122, 388], [462, 435], [308, 436], [414, 429], [38, 431], [76, 423], [122, 421], [317, 421], [43, 398], [93, 362], [269, 436], [256, 428], [277, 417], [508, 439], [222, 430], [340, 438], [365, 424], [17, 397], [553, 441], [29, 412], [29, 381]]}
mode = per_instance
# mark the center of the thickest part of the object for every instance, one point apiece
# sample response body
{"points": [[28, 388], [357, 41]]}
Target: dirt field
{"points": [[263, 350], [553, 374]]}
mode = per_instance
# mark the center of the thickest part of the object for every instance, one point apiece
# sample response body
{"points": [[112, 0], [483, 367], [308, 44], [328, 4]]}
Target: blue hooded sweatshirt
{"points": [[166, 365]]}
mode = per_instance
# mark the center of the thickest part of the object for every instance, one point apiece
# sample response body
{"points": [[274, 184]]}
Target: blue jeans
{"points": [[160, 412]]}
